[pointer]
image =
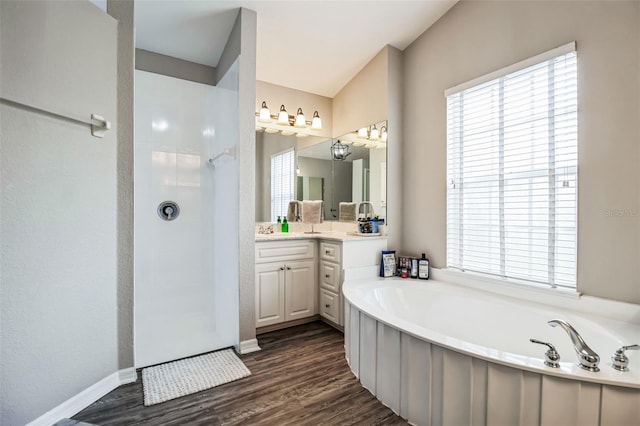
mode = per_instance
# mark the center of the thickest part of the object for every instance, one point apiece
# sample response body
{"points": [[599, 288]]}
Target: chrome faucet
{"points": [[588, 358]]}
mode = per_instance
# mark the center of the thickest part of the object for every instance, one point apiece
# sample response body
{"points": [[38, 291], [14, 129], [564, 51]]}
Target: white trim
{"points": [[248, 346], [127, 375], [561, 50], [82, 400]]}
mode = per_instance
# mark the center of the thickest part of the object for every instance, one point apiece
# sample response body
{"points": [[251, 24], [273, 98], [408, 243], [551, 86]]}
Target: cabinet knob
{"points": [[288, 268], [327, 306], [327, 252], [282, 268], [326, 275]]}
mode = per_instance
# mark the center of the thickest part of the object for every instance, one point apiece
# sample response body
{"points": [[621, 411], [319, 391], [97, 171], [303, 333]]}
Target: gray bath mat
{"points": [[172, 380]]}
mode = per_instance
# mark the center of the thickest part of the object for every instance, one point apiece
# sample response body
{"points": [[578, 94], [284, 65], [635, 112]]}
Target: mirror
{"points": [[345, 169]]}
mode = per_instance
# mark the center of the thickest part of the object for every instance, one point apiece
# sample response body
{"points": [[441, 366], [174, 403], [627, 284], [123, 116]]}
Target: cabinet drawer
{"points": [[278, 251], [330, 251], [330, 305], [330, 276]]}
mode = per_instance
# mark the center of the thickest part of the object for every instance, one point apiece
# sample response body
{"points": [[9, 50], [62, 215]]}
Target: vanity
{"points": [[299, 276]]}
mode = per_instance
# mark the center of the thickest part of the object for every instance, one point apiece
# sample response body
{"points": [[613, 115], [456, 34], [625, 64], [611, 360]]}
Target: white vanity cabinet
{"points": [[335, 259], [286, 286], [330, 278]]}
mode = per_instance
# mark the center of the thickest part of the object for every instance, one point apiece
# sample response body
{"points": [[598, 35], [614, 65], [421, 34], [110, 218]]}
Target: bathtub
{"points": [[439, 353]]}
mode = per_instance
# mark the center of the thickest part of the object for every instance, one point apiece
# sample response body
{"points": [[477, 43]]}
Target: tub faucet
{"points": [[588, 358]]}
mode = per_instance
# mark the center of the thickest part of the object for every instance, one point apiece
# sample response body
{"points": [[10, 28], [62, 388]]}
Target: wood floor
{"points": [[299, 378]]}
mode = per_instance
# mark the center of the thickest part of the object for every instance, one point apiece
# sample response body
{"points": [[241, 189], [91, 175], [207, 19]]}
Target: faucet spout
{"points": [[588, 358]]}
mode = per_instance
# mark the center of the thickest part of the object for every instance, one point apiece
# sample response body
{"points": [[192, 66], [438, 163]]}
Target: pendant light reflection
{"points": [[339, 151]]}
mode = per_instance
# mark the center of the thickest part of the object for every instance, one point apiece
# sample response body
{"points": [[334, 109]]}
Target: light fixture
{"points": [[363, 133], [285, 123], [265, 115], [374, 134], [283, 117], [339, 151], [316, 122], [300, 121], [383, 133]]}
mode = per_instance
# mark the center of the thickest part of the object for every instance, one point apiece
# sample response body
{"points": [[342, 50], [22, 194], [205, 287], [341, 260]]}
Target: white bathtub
{"points": [[440, 353]]}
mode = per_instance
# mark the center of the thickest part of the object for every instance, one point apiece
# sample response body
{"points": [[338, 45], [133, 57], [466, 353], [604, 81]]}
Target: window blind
{"points": [[512, 173], [282, 183]]}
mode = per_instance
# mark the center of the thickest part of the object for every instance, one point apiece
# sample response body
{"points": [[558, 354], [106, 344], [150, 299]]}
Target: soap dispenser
{"points": [[285, 225]]}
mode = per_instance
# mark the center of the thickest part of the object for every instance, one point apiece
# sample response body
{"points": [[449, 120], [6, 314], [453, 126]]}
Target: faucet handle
{"points": [[619, 360], [552, 357]]}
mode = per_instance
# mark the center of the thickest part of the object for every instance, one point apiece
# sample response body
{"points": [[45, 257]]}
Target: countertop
{"points": [[327, 235]]}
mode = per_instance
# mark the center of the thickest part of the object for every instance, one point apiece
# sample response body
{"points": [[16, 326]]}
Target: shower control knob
{"points": [[552, 357], [168, 210], [619, 360]]}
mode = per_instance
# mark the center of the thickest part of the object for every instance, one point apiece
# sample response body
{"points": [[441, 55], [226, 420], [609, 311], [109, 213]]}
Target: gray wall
{"points": [[123, 12], [477, 37], [247, 22], [58, 247], [175, 67]]}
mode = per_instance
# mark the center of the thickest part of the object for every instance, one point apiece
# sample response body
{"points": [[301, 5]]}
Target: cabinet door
{"points": [[269, 294], [330, 276], [330, 306], [301, 290]]}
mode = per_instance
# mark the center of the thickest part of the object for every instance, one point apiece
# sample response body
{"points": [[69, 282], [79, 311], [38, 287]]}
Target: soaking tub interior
{"points": [[442, 353]]}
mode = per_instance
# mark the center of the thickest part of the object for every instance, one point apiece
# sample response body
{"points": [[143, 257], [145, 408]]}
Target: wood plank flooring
{"points": [[299, 378]]}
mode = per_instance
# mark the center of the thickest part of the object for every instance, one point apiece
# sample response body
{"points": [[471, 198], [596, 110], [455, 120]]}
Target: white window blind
{"points": [[282, 183], [512, 173]]}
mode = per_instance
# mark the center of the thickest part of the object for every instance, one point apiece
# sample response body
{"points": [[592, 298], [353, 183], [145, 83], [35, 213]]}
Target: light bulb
{"points": [[265, 115], [375, 133], [383, 133], [316, 122], [283, 117], [363, 133], [300, 120]]}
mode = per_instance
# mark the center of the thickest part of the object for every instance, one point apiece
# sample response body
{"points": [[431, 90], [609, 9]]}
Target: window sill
{"points": [[506, 286]]}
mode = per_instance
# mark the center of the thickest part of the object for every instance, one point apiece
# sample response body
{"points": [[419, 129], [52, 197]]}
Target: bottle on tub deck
{"points": [[423, 267], [414, 268], [285, 225]]}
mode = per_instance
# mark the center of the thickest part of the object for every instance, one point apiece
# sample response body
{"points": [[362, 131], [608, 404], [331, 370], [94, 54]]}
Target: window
{"points": [[512, 171], [282, 175]]}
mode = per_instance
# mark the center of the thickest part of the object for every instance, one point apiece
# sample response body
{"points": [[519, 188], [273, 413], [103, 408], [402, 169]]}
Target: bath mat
{"points": [[172, 380]]}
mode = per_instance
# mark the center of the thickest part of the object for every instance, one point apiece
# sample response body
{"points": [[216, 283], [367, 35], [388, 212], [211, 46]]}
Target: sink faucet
{"points": [[588, 358]]}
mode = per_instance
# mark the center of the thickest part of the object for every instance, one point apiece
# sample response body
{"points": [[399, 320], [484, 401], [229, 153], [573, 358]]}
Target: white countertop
{"points": [[326, 235]]}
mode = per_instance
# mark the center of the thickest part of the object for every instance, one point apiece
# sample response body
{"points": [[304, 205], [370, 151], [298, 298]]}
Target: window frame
{"points": [[545, 172]]}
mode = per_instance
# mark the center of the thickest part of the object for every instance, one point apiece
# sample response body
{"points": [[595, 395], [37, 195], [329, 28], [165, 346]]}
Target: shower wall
{"points": [[184, 303], [226, 203]]}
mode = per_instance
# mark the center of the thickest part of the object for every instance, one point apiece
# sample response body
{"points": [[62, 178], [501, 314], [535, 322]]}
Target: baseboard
{"points": [[286, 324], [248, 346], [82, 400], [127, 375]]}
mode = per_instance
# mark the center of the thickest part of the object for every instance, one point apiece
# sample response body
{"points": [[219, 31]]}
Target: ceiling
{"points": [[316, 46]]}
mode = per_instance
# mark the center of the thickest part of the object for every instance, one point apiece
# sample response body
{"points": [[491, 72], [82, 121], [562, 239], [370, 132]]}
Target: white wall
{"points": [[58, 201], [477, 37], [182, 301]]}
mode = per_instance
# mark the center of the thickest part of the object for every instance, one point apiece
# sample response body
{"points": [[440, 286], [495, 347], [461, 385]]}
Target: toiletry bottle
{"points": [[285, 225], [423, 268], [414, 268], [279, 219]]}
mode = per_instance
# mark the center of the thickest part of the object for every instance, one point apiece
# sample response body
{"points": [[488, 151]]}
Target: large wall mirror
{"points": [[351, 168]]}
